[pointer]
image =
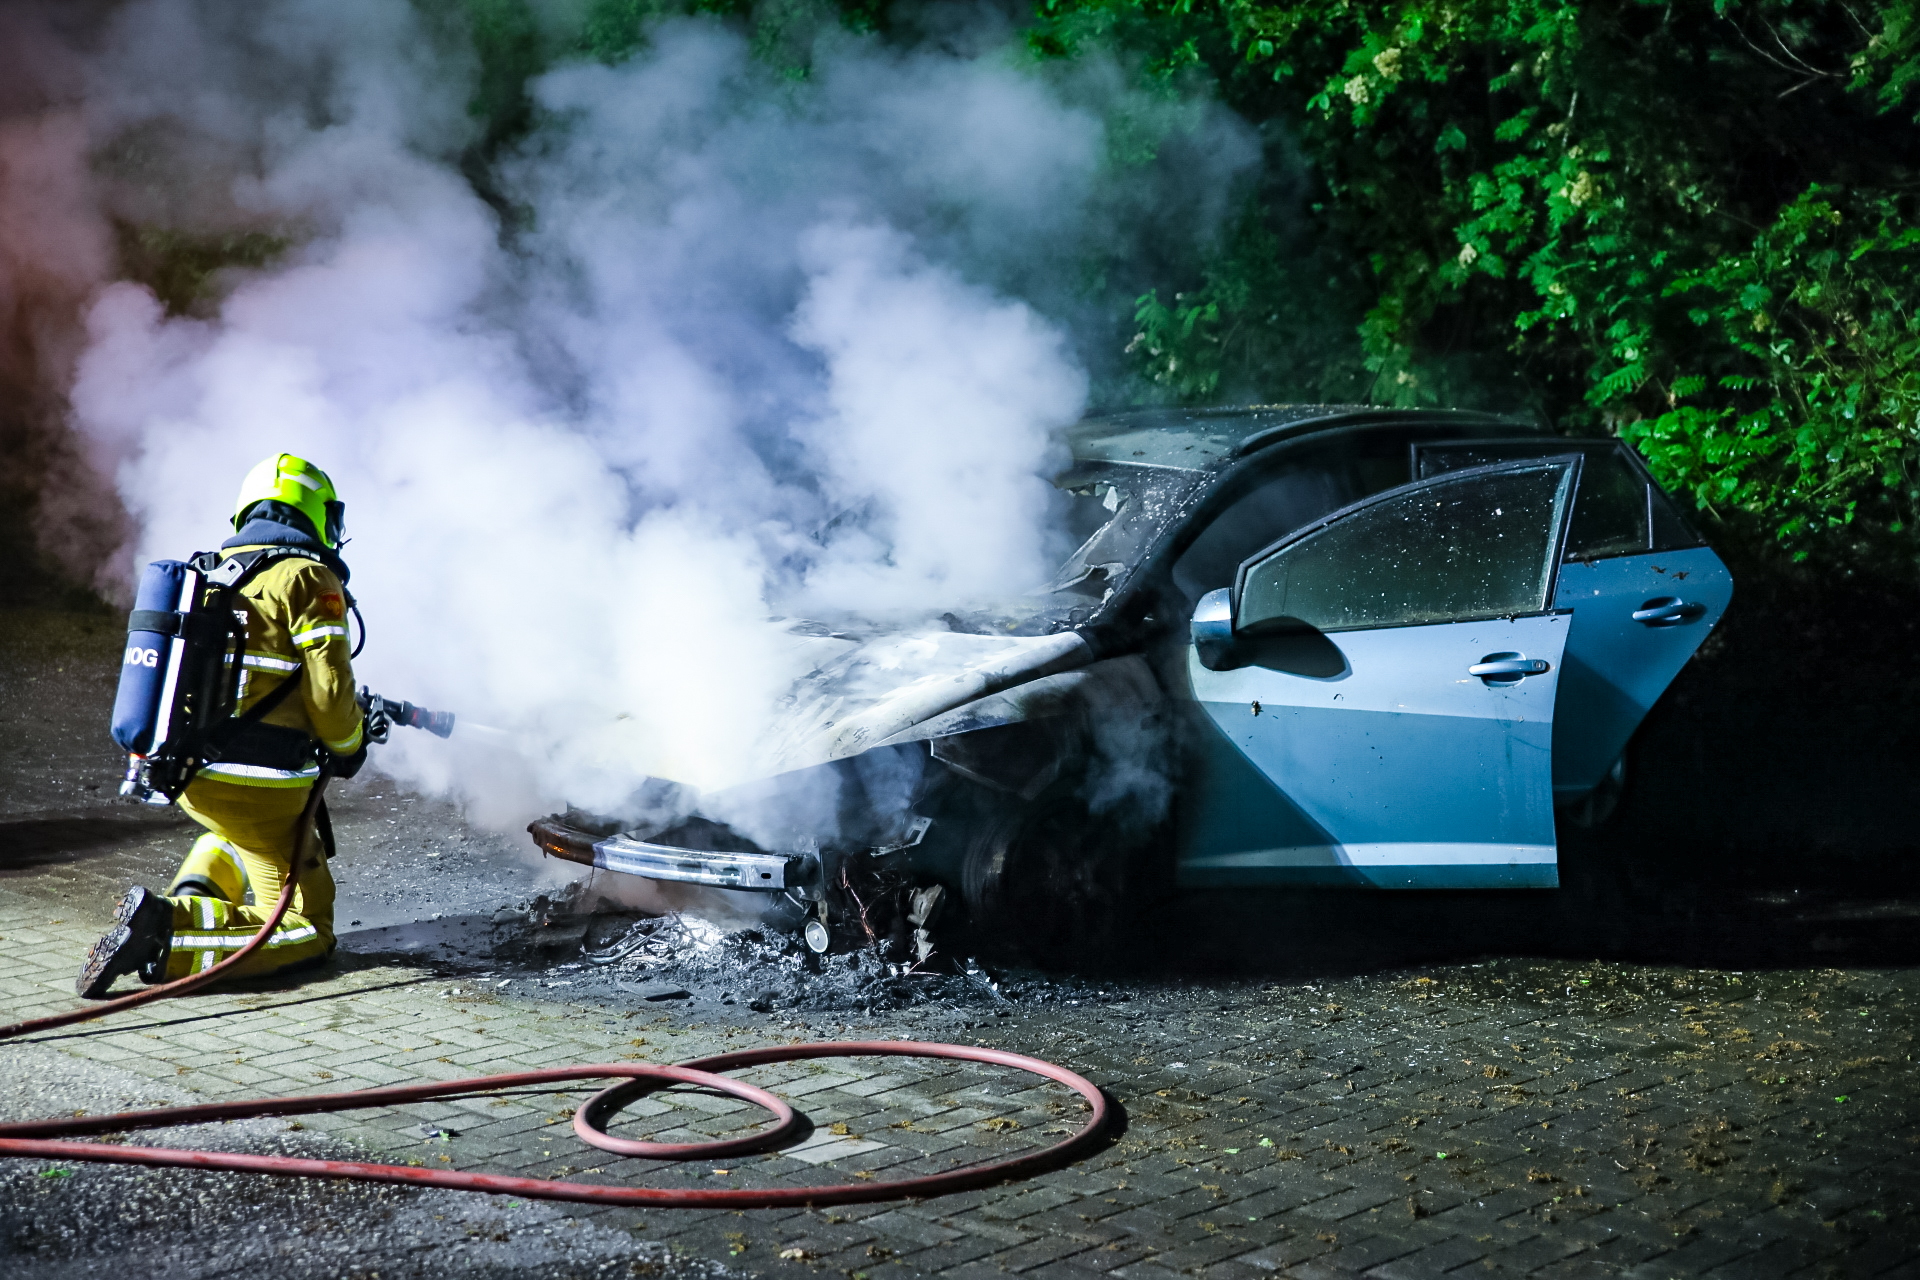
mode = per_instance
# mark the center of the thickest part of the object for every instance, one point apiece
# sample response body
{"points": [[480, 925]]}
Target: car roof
{"points": [[1210, 440]]}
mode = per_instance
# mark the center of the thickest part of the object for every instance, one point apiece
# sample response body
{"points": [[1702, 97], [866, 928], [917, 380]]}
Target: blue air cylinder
{"points": [[150, 669]]}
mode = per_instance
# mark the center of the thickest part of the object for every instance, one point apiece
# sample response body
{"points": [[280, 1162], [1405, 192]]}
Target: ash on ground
{"points": [[682, 956]]}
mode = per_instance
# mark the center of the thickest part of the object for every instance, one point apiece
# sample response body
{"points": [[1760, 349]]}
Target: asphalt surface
{"points": [[1695, 1060]]}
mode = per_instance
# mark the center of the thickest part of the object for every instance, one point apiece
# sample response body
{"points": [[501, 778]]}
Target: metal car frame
{"points": [[999, 795]]}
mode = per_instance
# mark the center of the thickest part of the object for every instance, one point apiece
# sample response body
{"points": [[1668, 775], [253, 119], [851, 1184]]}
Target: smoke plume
{"points": [[707, 345]]}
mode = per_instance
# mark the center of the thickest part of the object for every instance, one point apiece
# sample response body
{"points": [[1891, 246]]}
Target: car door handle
{"points": [[1495, 665], [1667, 611]]}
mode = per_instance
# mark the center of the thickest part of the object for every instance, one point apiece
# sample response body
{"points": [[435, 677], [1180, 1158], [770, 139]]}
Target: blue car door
{"points": [[1642, 589], [1382, 713]]}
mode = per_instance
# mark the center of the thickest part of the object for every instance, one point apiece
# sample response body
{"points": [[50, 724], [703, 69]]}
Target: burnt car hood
{"points": [[879, 697], [878, 689]]}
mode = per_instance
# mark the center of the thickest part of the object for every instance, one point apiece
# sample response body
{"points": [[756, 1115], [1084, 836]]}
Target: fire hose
{"points": [[51, 1139]]}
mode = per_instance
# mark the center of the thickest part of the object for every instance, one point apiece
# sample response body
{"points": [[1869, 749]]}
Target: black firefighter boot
{"points": [[140, 938]]}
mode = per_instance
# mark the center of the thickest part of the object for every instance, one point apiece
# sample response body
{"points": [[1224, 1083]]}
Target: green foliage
{"points": [[183, 269], [516, 40], [1806, 404], [1889, 67], [1244, 333], [507, 37], [1687, 222], [1627, 213], [614, 29]]}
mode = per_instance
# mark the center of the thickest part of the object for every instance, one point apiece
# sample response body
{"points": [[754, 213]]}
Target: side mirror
{"points": [[1279, 644], [1212, 630]]}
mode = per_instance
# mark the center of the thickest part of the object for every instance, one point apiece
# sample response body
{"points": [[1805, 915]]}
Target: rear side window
{"points": [[1481, 544], [1610, 511], [1618, 511]]}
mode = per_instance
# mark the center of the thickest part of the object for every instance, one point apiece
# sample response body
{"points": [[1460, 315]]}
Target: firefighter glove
{"points": [[379, 721], [348, 765]]}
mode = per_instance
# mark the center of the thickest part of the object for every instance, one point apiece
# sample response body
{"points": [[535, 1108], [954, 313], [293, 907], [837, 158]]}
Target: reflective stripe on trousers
{"points": [[255, 826], [214, 931]]}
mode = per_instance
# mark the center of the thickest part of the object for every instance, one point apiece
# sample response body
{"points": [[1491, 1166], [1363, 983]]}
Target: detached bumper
{"points": [[624, 854]]}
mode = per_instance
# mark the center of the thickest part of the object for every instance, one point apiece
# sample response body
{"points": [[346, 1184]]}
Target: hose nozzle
{"points": [[398, 711], [437, 723]]}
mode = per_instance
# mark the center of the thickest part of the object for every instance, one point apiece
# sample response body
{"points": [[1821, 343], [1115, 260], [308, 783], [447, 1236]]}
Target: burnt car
{"points": [[1297, 645]]}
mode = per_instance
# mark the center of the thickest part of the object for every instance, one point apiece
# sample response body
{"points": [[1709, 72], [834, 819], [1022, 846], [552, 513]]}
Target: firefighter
{"points": [[251, 800]]}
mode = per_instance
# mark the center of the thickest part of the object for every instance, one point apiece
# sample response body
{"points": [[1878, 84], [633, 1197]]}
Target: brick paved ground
{"points": [[1512, 1115]]}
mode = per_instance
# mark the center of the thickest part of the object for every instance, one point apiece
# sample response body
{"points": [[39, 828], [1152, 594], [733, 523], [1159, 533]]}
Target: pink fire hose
{"points": [[46, 1139]]}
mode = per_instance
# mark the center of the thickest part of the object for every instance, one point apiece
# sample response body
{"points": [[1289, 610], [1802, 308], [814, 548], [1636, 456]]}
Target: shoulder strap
{"points": [[236, 570], [324, 821], [223, 733], [232, 573], [216, 743], [259, 709]]}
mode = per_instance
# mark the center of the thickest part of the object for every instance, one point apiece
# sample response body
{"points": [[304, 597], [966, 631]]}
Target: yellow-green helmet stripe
{"points": [[299, 484]]}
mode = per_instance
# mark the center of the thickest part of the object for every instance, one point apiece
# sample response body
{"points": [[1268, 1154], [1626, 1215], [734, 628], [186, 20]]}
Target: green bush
{"points": [[1801, 400], [1690, 224]]}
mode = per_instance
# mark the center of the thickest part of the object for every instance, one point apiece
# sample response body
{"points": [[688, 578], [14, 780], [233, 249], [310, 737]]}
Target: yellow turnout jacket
{"points": [[296, 630]]}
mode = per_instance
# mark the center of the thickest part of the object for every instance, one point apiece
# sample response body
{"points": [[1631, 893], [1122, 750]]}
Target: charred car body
{"points": [[1298, 645]]}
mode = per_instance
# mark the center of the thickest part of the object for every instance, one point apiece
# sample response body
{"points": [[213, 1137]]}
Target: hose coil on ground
{"points": [[50, 1139], [40, 1138]]}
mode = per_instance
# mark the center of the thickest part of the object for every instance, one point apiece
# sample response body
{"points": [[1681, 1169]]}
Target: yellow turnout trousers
{"points": [[247, 846]]}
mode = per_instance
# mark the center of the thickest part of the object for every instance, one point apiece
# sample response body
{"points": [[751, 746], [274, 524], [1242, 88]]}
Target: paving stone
{"points": [[1073, 1267], [1430, 1260], [1145, 1269], [1371, 1194], [1328, 1213], [1038, 1253], [1027, 1201], [1319, 1269], [1290, 1252]]}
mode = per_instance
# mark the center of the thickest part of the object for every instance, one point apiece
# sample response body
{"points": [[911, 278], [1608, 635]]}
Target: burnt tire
{"points": [[1047, 882], [1598, 808]]}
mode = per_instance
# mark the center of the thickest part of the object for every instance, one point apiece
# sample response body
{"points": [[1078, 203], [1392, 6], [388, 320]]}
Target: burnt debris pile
{"points": [[766, 971], [681, 956]]}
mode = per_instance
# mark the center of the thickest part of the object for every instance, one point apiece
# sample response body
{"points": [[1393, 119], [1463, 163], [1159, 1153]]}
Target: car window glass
{"points": [[1262, 516], [1609, 512], [1671, 531], [1610, 509], [1478, 545], [1091, 508], [1094, 510], [1113, 512]]}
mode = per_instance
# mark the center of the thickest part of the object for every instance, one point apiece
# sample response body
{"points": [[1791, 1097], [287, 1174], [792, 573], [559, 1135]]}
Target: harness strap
{"points": [[236, 570], [171, 622], [230, 575], [324, 822], [259, 709]]}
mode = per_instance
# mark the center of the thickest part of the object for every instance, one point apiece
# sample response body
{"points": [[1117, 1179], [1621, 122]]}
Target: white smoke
{"points": [[744, 347], [939, 402]]}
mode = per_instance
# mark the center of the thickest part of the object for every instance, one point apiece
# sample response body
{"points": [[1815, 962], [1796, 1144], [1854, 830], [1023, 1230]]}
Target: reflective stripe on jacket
{"points": [[296, 629]]}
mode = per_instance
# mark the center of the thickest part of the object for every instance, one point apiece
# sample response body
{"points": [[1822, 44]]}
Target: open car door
{"points": [[1643, 588], [1379, 690]]}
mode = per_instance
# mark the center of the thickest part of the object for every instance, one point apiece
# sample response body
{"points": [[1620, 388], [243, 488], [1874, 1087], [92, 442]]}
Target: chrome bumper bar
{"points": [[692, 866], [765, 871]]}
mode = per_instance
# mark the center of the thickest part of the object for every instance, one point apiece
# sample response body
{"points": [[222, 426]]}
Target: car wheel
{"points": [[1597, 808], [1609, 904], [1051, 883]]}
